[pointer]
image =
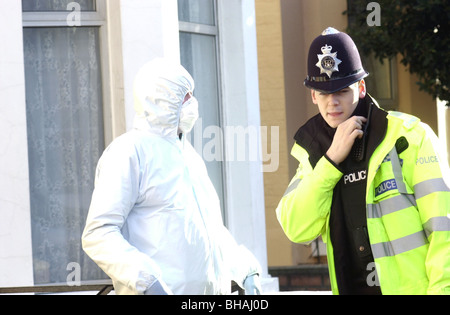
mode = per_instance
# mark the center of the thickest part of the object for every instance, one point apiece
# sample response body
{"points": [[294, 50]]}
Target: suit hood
{"points": [[159, 90]]}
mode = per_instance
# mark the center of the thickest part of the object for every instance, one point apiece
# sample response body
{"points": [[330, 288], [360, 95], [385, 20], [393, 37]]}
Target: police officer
{"points": [[384, 217]]}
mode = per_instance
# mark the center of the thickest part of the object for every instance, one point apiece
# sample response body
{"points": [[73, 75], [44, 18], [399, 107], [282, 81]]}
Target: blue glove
{"points": [[252, 285], [158, 288]]}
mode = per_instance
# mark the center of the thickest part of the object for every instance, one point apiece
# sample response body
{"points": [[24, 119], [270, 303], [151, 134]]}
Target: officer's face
{"points": [[338, 107]]}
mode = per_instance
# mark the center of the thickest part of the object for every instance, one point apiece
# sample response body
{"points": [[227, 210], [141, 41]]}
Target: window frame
{"points": [[213, 30], [59, 18], [97, 18]]}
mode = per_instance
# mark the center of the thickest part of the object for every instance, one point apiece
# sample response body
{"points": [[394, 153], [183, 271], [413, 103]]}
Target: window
{"points": [[199, 55], [59, 5], [66, 135], [200, 12], [382, 81]]}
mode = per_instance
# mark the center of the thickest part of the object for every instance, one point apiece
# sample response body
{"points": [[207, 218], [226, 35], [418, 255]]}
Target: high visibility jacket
{"points": [[408, 209]]}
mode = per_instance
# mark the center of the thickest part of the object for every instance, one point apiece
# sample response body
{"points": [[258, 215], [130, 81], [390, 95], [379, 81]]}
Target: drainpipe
{"points": [[444, 127]]}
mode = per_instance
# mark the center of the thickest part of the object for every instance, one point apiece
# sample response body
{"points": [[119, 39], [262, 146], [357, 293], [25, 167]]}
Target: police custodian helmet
{"points": [[334, 62]]}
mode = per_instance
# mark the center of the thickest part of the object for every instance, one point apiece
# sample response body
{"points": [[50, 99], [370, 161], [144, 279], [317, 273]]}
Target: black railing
{"points": [[101, 287]]}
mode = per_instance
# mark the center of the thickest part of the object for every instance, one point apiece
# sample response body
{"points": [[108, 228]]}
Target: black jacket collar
{"points": [[316, 135]]}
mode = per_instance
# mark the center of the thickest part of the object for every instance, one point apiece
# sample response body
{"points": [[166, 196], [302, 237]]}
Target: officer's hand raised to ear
{"points": [[346, 134]]}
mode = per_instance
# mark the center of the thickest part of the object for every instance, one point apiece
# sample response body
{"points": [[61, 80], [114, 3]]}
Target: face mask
{"points": [[189, 115]]}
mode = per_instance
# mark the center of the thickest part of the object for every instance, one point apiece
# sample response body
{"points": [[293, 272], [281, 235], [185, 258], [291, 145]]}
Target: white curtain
{"points": [[65, 140]]}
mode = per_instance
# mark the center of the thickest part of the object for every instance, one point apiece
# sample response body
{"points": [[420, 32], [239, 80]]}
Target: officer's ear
{"points": [[362, 89], [313, 96]]}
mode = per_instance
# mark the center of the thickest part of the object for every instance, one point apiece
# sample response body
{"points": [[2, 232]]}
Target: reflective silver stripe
{"points": [[292, 187], [430, 186], [394, 204], [437, 224], [400, 245], [397, 169]]}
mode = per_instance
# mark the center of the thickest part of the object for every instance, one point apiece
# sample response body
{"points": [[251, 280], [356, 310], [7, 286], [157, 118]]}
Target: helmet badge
{"points": [[328, 61]]}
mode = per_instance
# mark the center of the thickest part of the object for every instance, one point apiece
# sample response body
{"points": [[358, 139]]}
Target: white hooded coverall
{"points": [[155, 215]]}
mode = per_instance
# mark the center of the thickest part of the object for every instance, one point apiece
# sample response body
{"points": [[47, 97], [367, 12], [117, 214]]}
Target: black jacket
{"points": [[348, 231]]}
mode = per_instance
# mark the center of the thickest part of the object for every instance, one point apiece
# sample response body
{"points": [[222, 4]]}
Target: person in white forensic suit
{"points": [[154, 225]]}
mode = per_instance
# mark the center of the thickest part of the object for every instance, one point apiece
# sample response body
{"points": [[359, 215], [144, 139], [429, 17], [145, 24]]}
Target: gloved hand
{"points": [[158, 288], [252, 285]]}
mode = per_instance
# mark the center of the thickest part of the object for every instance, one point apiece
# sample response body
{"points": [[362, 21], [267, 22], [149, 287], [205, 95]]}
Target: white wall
{"points": [[149, 31], [16, 267], [245, 182]]}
